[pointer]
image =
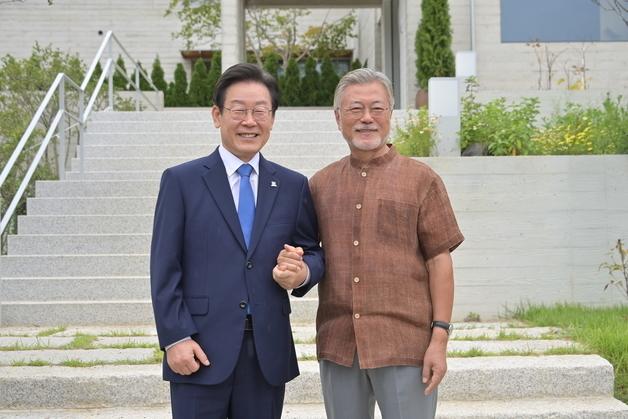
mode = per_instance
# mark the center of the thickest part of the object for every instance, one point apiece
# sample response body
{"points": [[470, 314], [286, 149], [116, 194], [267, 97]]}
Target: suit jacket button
{"points": [[249, 265], [242, 305]]}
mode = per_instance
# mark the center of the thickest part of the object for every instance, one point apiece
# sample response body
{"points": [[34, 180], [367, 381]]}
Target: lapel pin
{"points": [[273, 184]]}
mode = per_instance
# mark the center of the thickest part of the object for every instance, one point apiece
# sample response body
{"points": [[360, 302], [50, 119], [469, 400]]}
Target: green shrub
{"points": [[506, 129], [214, 74], [291, 85], [198, 85], [119, 81], [329, 80], [580, 130], [433, 42], [416, 137], [310, 84], [157, 76], [179, 91]]}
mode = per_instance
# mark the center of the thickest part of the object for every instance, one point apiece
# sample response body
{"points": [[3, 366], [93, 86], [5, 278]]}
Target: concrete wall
{"points": [[536, 228]]}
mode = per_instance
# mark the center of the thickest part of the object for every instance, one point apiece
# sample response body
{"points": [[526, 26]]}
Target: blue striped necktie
{"points": [[246, 203]]}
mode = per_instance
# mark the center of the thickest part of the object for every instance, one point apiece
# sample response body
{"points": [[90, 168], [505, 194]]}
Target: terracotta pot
{"points": [[421, 99]]}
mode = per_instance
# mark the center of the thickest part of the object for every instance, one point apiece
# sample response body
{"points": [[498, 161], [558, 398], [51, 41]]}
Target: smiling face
{"points": [[243, 138], [364, 119]]}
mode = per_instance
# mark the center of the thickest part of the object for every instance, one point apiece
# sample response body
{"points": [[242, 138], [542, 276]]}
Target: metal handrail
{"points": [[58, 123]]}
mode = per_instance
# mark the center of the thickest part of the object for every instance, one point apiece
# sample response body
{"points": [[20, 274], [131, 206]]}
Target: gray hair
{"points": [[363, 76]]}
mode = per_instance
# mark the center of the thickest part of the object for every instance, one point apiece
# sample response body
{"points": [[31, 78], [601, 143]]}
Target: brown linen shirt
{"points": [[379, 222]]}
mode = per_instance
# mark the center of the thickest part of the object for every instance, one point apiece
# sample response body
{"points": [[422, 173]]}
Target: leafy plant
{"points": [[506, 129], [310, 83], [416, 137], [157, 76], [433, 42], [618, 267], [291, 85], [180, 87], [213, 75]]}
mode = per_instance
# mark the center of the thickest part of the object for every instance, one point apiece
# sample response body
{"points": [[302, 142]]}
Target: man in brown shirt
{"points": [[387, 229]]}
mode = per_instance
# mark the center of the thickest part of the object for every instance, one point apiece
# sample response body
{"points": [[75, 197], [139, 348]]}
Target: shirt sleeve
{"points": [[437, 227]]}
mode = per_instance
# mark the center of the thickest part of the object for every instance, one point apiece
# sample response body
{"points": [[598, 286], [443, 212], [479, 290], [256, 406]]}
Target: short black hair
{"points": [[245, 72]]}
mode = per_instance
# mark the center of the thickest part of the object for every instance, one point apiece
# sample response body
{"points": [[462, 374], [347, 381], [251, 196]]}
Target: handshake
{"points": [[291, 271]]}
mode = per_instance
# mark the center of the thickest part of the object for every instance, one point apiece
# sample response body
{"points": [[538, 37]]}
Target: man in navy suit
{"points": [[224, 226]]}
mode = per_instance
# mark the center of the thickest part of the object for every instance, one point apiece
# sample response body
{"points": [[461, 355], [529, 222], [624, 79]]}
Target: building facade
{"points": [[586, 45]]}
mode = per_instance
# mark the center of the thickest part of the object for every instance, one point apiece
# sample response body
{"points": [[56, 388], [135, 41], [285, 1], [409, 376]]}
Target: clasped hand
{"points": [[290, 271]]}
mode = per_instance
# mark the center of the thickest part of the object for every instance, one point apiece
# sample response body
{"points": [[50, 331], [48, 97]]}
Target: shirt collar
{"points": [[377, 161], [232, 163]]}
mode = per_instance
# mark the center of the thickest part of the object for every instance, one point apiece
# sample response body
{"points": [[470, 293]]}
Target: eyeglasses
{"points": [[358, 111], [260, 113]]}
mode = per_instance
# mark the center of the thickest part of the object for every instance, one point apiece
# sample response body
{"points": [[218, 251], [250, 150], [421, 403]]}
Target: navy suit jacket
{"points": [[202, 274]]}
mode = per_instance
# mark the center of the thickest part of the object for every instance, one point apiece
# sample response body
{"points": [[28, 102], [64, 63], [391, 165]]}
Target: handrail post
{"points": [[113, 69], [61, 132], [137, 87], [81, 128]]}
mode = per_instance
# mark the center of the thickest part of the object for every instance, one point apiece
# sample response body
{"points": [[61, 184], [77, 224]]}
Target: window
{"points": [[560, 21]]}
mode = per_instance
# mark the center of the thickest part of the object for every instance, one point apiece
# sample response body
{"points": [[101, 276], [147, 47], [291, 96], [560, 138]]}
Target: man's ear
{"points": [[337, 115], [216, 116]]}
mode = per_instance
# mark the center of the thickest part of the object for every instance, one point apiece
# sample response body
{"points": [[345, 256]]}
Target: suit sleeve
{"points": [[172, 317], [306, 236]]}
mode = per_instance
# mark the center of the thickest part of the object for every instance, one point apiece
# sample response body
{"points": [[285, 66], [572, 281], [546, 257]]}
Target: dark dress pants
{"points": [[244, 395]]}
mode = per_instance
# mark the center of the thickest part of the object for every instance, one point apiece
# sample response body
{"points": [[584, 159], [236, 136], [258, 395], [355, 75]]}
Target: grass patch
{"points": [[81, 341], [124, 334], [51, 331], [18, 346], [129, 345], [76, 363], [308, 358], [503, 336], [33, 363], [309, 341], [603, 330]]}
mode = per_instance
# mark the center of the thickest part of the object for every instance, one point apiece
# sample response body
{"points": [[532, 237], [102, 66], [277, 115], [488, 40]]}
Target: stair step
{"points": [[133, 174], [86, 288], [85, 224], [205, 113], [273, 149], [295, 162], [108, 312], [468, 379], [78, 244], [74, 265], [110, 188], [574, 408], [102, 205], [203, 125], [211, 139]]}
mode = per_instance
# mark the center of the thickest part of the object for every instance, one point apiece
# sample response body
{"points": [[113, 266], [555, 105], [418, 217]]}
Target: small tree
{"points": [[214, 74], [329, 80], [310, 84], [355, 64], [433, 43], [271, 64], [119, 81], [157, 76], [198, 84], [179, 91], [169, 95], [291, 86], [144, 84]]}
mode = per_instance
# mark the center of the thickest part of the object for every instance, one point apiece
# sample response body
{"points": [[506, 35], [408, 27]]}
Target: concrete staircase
{"points": [[81, 260]]}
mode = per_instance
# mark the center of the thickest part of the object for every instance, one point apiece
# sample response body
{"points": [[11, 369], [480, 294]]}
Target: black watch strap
{"points": [[443, 325]]}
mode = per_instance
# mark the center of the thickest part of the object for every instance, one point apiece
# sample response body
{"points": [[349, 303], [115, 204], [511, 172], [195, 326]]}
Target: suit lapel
{"points": [[218, 185], [267, 189]]}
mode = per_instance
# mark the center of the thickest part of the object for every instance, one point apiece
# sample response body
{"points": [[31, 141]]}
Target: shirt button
{"points": [[249, 265], [363, 174], [242, 305], [356, 315], [358, 206], [355, 242], [356, 279]]}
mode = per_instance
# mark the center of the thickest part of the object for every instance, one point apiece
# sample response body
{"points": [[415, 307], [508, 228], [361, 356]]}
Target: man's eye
{"points": [[377, 110], [356, 110]]}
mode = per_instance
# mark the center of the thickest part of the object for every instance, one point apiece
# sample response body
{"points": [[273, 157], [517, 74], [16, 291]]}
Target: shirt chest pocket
{"points": [[396, 222]]}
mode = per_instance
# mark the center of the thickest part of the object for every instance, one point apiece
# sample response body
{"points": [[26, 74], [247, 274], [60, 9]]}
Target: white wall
{"points": [[536, 228]]}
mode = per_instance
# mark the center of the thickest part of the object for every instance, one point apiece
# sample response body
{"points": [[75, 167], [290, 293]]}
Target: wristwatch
{"points": [[443, 325]]}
